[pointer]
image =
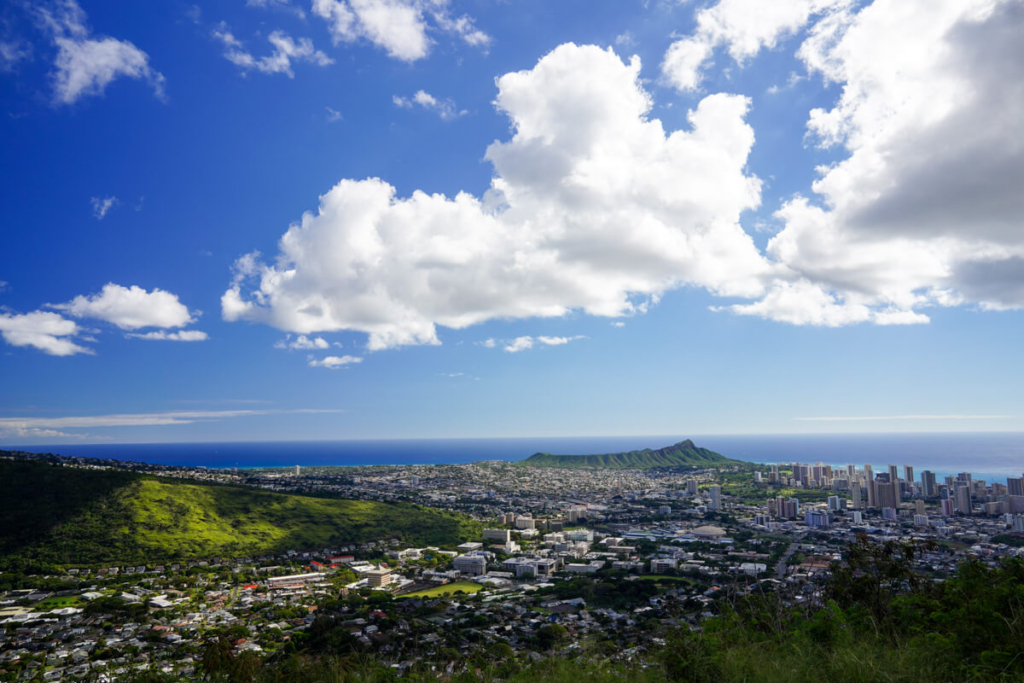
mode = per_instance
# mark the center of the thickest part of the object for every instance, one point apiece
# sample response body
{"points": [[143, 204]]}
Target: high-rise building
{"points": [[716, 498], [928, 487], [919, 506], [869, 482], [963, 499], [298, 470], [1015, 486], [817, 519], [858, 517], [836, 503], [691, 487], [908, 475], [872, 486], [894, 474], [888, 495], [947, 507], [856, 495], [1018, 524]]}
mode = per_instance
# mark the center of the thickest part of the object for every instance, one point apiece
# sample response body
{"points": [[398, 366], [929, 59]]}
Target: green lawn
{"points": [[448, 588], [57, 603]]}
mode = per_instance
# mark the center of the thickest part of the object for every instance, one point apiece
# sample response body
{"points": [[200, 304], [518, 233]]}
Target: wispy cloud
{"points": [[48, 426], [286, 51], [181, 335], [177, 417], [523, 343], [867, 418], [101, 206], [334, 362], [302, 342], [86, 65], [445, 108]]}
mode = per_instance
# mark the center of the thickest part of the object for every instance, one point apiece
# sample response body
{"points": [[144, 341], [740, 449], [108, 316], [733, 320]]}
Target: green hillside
{"points": [[682, 454], [73, 516]]}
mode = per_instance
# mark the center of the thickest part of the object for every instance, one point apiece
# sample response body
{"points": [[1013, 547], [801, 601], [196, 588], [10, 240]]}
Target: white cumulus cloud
{"points": [[130, 308], [925, 210], [594, 206], [47, 331], [744, 27], [86, 65]]}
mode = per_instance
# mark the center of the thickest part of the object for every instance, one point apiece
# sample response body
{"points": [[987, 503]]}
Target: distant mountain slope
{"points": [[682, 454], [73, 516]]}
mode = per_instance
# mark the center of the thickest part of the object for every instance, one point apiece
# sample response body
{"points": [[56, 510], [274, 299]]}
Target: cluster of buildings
{"points": [[669, 543]]}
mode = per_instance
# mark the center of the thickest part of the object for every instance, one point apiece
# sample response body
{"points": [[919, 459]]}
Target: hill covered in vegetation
{"points": [[73, 516], [682, 454]]}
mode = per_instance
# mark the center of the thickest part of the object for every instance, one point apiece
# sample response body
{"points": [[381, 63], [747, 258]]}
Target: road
{"points": [[780, 568]]}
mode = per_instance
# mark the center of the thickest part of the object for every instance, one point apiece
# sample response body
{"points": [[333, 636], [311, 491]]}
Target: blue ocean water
{"points": [[989, 456]]}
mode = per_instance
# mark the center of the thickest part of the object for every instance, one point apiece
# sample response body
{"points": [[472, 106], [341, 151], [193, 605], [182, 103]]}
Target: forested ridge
{"points": [[67, 516]]}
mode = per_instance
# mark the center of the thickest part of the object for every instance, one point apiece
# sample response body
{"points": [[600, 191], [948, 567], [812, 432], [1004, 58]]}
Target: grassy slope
{"points": [[147, 520], [682, 454], [467, 587]]}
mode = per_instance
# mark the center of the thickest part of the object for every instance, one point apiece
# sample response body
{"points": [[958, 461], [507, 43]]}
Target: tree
{"points": [[550, 635]]}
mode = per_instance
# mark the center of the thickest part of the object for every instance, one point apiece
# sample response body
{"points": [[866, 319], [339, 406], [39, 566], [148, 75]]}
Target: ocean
{"points": [[988, 456]]}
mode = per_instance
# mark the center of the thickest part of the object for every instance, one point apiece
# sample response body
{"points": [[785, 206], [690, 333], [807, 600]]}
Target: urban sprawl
{"points": [[565, 556]]}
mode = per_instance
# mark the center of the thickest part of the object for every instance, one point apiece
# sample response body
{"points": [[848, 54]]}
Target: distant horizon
{"points": [[990, 455], [89, 442]]}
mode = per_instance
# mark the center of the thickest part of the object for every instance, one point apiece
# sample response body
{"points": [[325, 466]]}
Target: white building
{"points": [[525, 523], [662, 564], [716, 498], [472, 565]]}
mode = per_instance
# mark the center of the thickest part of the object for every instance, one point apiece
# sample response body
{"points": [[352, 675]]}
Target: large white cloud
{"points": [[86, 65], [593, 206], [47, 331], [130, 308], [927, 208]]}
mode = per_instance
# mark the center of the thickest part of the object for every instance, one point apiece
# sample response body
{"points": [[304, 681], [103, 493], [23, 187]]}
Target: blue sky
{"points": [[235, 221]]}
